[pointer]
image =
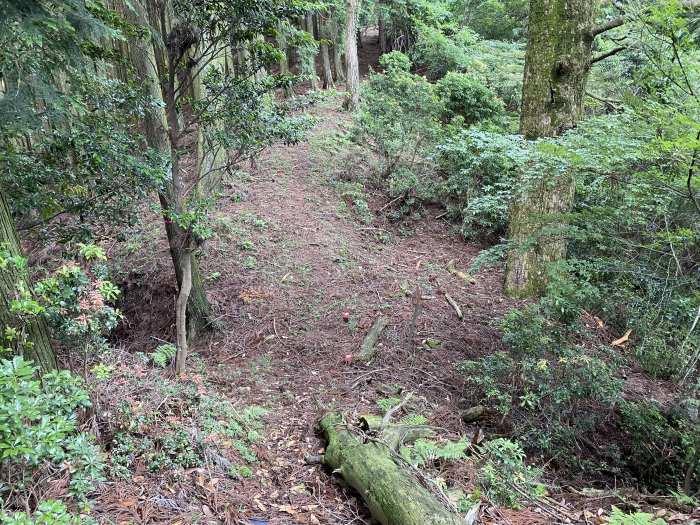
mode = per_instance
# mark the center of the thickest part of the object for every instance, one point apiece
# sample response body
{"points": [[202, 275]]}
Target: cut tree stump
{"points": [[369, 346], [392, 492]]}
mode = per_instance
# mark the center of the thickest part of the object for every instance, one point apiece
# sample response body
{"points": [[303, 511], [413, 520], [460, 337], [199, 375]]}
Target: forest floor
{"points": [[298, 273], [298, 277]]}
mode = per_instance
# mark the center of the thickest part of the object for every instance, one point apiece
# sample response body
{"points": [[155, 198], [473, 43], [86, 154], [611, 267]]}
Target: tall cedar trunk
{"points": [[381, 28], [557, 63], [353, 67], [157, 124], [338, 50], [310, 66], [324, 36], [37, 344]]}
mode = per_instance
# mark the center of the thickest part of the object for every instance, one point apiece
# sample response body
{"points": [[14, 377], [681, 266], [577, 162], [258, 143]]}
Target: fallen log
{"points": [[392, 493], [368, 348]]}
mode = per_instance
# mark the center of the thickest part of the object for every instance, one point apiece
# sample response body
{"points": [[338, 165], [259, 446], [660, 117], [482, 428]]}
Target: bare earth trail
{"points": [[299, 280]]}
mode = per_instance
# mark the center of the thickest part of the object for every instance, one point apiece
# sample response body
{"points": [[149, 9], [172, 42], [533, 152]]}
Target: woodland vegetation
{"points": [[342, 261]]}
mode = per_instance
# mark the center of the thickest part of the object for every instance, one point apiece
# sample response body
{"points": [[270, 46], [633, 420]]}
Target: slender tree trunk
{"points": [[325, 54], [161, 129], [353, 67], [181, 312], [557, 63], [34, 341]]}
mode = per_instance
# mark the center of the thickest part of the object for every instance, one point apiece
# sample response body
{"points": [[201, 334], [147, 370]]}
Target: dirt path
{"points": [[289, 260]]}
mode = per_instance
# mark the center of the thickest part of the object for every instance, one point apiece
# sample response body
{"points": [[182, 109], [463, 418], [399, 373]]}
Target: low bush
{"points": [[466, 97], [39, 436]]}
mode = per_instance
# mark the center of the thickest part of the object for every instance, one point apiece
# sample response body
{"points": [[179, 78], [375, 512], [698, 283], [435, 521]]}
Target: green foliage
{"points": [[164, 354], [395, 62], [399, 118], [38, 425], [495, 19], [546, 384], [48, 512], [479, 171], [75, 300], [618, 517], [435, 53], [388, 403], [503, 468], [466, 97], [650, 431], [424, 451], [414, 419]]}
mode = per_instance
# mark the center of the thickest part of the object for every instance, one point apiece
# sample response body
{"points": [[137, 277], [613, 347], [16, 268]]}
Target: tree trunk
{"points": [[538, 210], [181, 312], [157, 127], [338, 49], [325, 54], [392, 493], [381, 26], [310, 67], [353, 67], [281, 38], [34, 341], [557, 63]]}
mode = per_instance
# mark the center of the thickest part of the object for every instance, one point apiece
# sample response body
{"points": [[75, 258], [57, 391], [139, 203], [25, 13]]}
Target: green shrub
{"points": [[48, 512], [435, 54], [394, 62], [164, 354], [399, 118], [545, 383], [38, 427], [479, 170], [465, 96]]}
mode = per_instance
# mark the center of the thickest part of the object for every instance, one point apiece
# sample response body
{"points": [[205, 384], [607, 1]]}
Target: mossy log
{"points": [[392, 493]]}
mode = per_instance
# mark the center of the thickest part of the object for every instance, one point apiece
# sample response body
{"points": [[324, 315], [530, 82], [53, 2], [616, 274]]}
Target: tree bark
{"points": [[35, 343], [392, 493], [311, 64], [351, 61], [181, 312], [162, 128], [338, 50], [557, 63], [381, 27], [325, 54]]}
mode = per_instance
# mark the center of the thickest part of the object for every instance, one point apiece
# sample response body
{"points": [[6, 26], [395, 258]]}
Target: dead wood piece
{"points": [[395, 435], [392, 493], [473, 414], [417, 306], [454, 305], [462, 275], [369, 349]]}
